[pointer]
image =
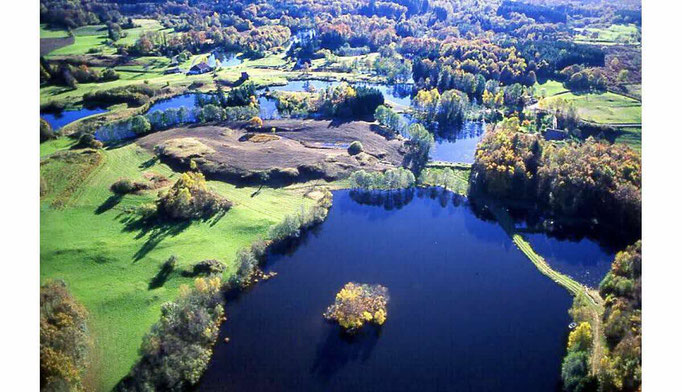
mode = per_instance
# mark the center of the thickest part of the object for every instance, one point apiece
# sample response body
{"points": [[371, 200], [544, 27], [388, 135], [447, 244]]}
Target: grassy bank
{"points": [[108, 260]]}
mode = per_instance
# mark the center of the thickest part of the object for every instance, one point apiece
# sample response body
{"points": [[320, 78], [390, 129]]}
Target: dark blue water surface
{"points": [[468, 312], [585, 261], [58, 120]]}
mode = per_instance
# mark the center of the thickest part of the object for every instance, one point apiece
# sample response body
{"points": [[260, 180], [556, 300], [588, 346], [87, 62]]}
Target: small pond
{"points": [[186, 100], [58, 120], [457, 143], [468, 311]]}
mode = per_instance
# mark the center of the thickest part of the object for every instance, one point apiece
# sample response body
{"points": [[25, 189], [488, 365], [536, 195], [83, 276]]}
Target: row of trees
{"points": [[391, 179], [163, 119], [447, 108], [64, 74]]}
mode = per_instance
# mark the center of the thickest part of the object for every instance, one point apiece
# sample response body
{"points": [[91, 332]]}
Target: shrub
{"points": [[292, 225], [46, 132], [357, 304], [580, 339], [190, 198], [256, 122], [133, 95], [87, 140], [63, 338], [247, 263], [124, 186], [289, 227], [355, 148], [146, 210], [209, 267]]}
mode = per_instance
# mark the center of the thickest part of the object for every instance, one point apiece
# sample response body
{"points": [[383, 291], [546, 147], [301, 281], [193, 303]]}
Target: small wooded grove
{"points": [[592, 181], [190, 198], [64, 340], [175, 353], [619, 366], [621, 369]]}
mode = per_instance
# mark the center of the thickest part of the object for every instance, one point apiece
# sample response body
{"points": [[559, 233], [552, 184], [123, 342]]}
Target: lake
{"points": [[58, 120], [467, 310]]}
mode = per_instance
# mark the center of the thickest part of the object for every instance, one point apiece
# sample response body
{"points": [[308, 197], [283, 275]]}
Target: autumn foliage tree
{"points": [[63, 339], [190, 198], [357, 304], [621, 368], [593, 181]]}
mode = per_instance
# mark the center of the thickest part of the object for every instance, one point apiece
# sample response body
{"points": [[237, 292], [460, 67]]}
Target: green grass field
{"points": [[45, 32], [614, 34], [632, 136], [52, 146], [143, 25], [605, 108], [86, 38], [94, 37], [108, 261], [549, 88]]}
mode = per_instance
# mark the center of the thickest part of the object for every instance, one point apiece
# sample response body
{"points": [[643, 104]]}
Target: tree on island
{"points": [[357, 304]]}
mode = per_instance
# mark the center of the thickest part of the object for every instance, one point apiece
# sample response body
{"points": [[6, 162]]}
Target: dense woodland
{"points": [[591, 181]]}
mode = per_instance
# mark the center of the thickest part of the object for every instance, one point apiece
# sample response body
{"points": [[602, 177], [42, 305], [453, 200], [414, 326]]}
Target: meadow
{"points": [[604, 108], [93, 38], [612, 35], [549, 88], [108, 258]]}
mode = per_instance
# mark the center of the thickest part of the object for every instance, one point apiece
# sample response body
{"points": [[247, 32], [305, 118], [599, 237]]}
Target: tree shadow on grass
{"points": [[154, 228], [161, 277], [108, 204], [149, 163], [157, 228]]}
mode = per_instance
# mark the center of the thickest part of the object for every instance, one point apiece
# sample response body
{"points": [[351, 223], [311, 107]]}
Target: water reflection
{"points": [[390, 200], [338, 349], [457, 143]]}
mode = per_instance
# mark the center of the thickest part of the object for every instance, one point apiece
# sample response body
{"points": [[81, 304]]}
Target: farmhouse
{"points": [[199, 69]]}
